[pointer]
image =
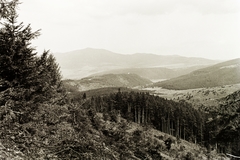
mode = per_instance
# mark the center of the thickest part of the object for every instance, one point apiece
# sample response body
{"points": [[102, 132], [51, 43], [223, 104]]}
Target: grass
{"points": [[198, 97]]}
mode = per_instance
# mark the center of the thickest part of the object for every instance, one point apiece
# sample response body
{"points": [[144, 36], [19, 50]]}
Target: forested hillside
{"points": [[108, 80], [224, 73], [178, 119], [224, 127]]}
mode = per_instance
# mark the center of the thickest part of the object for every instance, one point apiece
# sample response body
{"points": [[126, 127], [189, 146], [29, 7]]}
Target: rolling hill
{"points": [[108, 80], [225, 73], [82, 63], [154, 74]]}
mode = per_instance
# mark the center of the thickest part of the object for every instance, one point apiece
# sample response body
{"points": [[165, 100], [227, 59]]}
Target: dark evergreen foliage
{"points": [[25, 78], [168, 143], [224, 129]]}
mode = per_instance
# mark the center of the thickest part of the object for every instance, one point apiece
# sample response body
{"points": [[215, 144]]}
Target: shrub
{"points": [[189, 156], [106, 117], [155, 154], [168, 143]]}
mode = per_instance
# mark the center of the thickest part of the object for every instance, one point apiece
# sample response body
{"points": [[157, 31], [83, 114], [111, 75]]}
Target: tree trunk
{"points": [[184, 131], [129, 108], [168, 125], [201, 130], [139, 115], [177, 129], [146, 115], [162, 120], [172, 127], [180, 131], [143, 115], [135, 114]]}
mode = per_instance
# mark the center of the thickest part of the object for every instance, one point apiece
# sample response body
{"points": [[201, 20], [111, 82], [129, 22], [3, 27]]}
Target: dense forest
{"points": [[179, 119], [43, 119], [224, 124]]}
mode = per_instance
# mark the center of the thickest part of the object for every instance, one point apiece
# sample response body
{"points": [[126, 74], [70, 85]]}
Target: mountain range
{"points": [[154, 74], [82, 63]]}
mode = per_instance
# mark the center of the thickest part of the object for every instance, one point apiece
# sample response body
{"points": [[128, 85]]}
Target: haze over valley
{"points": [[82, 63]]}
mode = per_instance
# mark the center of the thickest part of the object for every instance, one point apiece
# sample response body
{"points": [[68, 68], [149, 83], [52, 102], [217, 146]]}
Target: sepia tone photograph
{"points": [[120, 80]]}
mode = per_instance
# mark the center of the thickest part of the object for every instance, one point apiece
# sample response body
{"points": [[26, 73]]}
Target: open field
{"points": [[199, 96]]}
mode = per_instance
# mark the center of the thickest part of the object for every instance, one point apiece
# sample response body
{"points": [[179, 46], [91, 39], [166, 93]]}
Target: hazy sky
{"points": [[194, 28]]}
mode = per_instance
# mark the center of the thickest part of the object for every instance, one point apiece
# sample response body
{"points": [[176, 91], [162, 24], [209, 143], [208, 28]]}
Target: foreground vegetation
{"points": [[78, 133]]}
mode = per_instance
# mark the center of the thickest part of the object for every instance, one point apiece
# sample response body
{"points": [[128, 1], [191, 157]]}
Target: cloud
{"points": [[214, 6], [156, 7]]}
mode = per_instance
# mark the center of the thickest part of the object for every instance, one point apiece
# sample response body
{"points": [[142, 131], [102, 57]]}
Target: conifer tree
{"points": [[25, 78]]}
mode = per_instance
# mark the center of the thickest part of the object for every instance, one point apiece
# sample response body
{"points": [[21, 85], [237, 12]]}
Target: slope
{"points": [[225, 73], [109, 80], [225, 123], [199, 97]]}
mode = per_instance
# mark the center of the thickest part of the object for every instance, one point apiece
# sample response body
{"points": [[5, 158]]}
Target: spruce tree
{"points": [[25, 79]]}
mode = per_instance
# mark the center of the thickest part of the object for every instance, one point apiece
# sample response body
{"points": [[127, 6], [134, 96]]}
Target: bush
{"points": [[189, 156], [137, 133], [155, 154], [168, 143]]}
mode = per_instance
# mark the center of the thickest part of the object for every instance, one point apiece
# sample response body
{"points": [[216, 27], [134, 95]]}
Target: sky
{"points": [[192, 28]]}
